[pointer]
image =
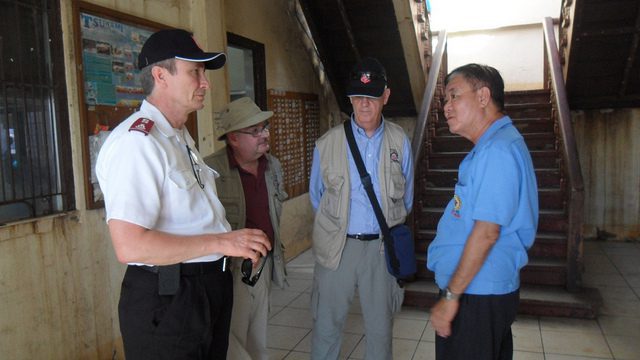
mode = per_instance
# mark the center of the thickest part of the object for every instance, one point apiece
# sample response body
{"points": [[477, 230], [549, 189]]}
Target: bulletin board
{"points": [[107, 44], [295, 127]]}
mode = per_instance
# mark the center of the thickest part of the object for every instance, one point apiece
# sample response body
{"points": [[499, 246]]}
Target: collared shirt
{"points": [[362, 218], [255, 194], [148, 180], [496, 184]]}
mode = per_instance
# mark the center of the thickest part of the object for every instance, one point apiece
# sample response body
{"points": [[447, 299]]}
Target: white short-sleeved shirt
{"points": [[148, 180]]}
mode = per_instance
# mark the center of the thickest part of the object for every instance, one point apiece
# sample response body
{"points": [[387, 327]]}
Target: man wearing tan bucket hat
{"points": [[251, 189]]}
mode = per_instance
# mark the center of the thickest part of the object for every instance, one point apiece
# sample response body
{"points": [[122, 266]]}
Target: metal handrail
{"points": [[570, 155], [434, 71]]}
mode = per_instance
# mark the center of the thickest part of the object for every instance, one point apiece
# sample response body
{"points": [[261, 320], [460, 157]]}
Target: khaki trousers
{"points": [[248, 336], [363, 267]]}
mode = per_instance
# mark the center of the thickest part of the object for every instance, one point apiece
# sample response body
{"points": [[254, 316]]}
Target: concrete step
{"points": [[440, 197], [540, 96], [524, 125], [521, 111], [449, 143], [451, 160], [535, 300], [547, 178], [539, 271], [533, 125], [550, 220], [546, 245]]}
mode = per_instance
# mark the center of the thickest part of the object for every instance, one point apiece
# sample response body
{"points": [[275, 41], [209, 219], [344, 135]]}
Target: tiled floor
{"points": [[613, 267]]}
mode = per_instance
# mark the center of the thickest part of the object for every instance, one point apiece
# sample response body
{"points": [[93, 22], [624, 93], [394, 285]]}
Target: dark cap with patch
{"points": [[177, 44], [368, 78]]}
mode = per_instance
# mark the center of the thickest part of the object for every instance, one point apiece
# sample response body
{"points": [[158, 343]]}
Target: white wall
{"points": [[465, 15], [505, 34], [516, 52]]}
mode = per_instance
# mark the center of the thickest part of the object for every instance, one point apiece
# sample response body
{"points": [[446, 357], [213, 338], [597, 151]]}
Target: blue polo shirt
{"points": [[497, 184]]}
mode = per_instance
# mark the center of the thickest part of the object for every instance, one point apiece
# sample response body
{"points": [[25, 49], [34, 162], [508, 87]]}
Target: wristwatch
{"points": [[448, 295]]}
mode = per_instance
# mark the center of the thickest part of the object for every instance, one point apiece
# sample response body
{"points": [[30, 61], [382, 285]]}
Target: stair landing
{"points": [[538, 300]]}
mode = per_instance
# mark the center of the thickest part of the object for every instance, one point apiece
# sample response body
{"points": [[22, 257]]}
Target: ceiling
{"points": [[347, 30], [604, 59]]}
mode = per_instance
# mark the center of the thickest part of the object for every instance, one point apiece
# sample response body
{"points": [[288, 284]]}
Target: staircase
{"points": [[544, 279]]}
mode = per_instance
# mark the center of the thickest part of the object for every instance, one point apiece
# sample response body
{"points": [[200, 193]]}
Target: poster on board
{"points": [[107, 43], [109, 55]]}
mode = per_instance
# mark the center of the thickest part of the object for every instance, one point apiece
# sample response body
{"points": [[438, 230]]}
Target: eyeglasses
{"points": [[193, 159], [246, 268], [256, 131]]}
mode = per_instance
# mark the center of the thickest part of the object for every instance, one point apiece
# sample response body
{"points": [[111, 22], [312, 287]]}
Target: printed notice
{"points": [[109, 55]]}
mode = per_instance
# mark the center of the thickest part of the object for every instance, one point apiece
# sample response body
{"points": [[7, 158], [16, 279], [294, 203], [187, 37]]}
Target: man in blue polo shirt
{"points": [[483, 236]]}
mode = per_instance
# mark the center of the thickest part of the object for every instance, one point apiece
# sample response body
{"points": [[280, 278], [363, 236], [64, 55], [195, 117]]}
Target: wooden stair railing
{"points": [[430, 90], [569, 156], [428, 111]]}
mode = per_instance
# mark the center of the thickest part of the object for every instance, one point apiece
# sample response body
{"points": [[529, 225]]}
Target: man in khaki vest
{"points": [[347, 244], [251, 189]]}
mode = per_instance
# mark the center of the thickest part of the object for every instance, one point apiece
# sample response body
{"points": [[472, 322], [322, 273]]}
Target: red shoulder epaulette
{"points": [[143, 125]]}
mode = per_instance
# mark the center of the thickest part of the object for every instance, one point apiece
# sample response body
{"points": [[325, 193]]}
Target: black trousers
{"points": [[482, 329], [192, 324]]}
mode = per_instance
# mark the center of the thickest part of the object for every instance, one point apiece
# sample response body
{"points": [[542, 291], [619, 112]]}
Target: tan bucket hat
{"points": [[239, 114]]}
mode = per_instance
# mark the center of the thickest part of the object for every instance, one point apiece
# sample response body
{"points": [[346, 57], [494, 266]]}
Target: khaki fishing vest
{"points": [[231, 195], [331, 218]]}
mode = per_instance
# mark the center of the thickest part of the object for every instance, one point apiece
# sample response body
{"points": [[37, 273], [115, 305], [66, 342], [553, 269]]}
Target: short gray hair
{"points": [[146, 79]]}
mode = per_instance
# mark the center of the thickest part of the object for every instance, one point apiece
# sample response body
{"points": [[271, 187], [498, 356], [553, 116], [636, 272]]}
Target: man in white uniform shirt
{"points": [[164, 215]]}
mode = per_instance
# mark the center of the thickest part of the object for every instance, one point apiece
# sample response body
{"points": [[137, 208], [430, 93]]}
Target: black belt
{"points": [[197, 268], [364, 237]]}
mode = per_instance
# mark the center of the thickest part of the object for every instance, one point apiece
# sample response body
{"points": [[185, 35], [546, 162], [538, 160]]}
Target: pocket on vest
{"points": [[331, 203], [397, 210], [398, 184]]}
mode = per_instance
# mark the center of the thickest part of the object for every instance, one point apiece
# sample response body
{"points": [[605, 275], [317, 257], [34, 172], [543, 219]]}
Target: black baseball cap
{"points": [[178, 44], [368, 78]]}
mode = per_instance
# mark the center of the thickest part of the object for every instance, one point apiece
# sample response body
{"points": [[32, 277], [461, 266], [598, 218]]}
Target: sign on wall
{"points": [[295, 124], [107, 44], [110, 51]]}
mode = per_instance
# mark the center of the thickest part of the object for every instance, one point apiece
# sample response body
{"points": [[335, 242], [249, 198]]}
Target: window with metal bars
{"points": [[35, 154]]}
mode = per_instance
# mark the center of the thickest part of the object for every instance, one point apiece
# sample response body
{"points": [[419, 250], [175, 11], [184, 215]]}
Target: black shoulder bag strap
{"points": [[368, 186]]}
